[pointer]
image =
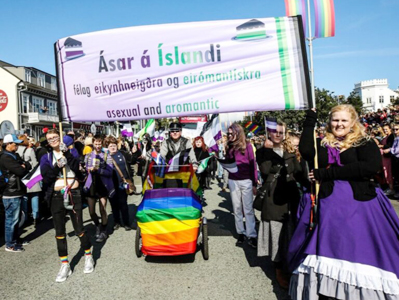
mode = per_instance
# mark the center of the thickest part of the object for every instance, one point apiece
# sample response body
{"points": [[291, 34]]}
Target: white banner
{"points": [[183, 69]]}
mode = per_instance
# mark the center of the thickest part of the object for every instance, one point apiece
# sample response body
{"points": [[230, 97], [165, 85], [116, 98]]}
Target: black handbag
{"points": [[266, 188]]}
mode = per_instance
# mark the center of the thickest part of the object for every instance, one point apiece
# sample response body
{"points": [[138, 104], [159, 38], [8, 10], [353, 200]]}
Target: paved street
{"points": [[231, 272]]}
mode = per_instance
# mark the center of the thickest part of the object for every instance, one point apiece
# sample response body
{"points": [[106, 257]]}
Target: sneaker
{"points": [[102, 237], [117, 226], [128, 228], [223, 190], [240, 239], [15, 249], [64, 273], [253, 242], [89, 264], [23, 243], [98, 231]]}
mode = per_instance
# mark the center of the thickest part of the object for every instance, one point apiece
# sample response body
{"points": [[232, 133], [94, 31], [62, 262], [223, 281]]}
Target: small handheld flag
{"points": [[203, 164], [212, 132], [271, 124], [178, 160], [229, 164]]}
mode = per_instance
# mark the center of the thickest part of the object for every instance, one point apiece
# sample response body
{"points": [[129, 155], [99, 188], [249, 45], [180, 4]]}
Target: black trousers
{"points": [[59, 212], [119, 207]]}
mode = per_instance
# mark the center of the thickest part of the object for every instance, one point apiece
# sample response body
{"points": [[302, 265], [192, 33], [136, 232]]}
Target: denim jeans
{"points": [[35, 204], [12, 208]]}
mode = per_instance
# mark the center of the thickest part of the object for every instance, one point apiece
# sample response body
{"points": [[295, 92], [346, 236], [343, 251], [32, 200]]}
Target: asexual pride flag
{"points": [[169, 221]]}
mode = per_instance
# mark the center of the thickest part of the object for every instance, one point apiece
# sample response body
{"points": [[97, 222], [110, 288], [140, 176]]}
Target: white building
{"points": [[375, 94], [29, 101]]}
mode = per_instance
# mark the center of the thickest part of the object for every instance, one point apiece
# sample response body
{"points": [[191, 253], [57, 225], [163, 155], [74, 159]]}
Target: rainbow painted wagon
{"points": [[170, 219]]}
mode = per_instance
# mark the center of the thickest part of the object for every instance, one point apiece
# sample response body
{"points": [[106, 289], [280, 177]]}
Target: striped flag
{"points": [[33, 177], [325, 18], [229, 164], [203, 164], [295, 8], [160, 168], [127, 130], [178, 160], [148, 128], [212, 132], [271, 124], [249, 124]]}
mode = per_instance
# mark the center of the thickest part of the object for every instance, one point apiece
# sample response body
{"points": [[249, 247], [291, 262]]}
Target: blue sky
{"points": [[366, 45]]}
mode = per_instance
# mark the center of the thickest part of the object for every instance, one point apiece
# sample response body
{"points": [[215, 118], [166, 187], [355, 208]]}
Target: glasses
{"points": [[230, 134], [54, 139]]}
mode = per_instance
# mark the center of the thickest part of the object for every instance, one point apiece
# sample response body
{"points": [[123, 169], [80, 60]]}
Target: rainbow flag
{"points": [[325, 18], [185, 174], [248, 124], [295, 8], [169, 221]]}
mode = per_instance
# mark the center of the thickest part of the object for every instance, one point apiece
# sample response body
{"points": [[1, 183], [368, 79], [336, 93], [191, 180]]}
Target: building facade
{"points": [[32, 101], [29, 100], [376, 94]]}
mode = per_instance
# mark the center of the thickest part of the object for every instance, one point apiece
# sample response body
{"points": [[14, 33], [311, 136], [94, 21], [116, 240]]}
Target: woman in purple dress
{"points": [[353, 250]]}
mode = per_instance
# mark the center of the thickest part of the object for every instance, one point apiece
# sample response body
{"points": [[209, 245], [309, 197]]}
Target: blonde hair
{"points": [[357, 135], [289, 146]]}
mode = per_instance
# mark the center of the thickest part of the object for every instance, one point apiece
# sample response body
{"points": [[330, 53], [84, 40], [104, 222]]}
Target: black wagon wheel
{"points": [[205, 248], [138, 242]]}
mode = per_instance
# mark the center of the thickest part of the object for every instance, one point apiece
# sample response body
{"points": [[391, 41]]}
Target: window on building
{"points": [[25, 103], [392, 98], [52, 107], [37, 104], [53, 83], [27, 75], [41, 79], [381, 99]]}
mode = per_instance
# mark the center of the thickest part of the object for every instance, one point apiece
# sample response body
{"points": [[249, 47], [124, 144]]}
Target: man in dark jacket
{"points": [[14, 169]]}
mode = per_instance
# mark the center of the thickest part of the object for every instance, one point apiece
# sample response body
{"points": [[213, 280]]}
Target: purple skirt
{"points": [[352, 242]]}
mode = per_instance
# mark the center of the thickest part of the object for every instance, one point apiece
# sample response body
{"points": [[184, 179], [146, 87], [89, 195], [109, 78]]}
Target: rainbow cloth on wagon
{"points": [[185, 174], [169, 221]]}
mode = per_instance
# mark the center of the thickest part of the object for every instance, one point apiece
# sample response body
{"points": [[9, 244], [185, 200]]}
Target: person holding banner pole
{"points": [[350, 250], [60, 169], [99, 185], [242, 184]]}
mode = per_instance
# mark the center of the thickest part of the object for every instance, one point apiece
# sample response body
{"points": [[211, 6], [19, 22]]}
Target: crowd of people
{"points": [[327, 245]]}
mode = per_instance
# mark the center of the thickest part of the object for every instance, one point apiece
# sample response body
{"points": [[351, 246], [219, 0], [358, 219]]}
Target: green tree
{"points": [[325, 100], [355, 100]]}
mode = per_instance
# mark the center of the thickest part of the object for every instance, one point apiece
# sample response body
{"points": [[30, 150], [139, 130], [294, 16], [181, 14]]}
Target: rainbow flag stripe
{"points": [[169, 221], [186, 174], [295, 8], [325, 18], [248, 124]]}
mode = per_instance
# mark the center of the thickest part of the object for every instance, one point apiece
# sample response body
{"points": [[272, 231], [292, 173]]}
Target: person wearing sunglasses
{"points": [[242, 184], [176, 144]]}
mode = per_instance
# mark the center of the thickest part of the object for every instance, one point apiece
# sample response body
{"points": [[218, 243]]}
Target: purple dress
{"points": [[352, 253]]}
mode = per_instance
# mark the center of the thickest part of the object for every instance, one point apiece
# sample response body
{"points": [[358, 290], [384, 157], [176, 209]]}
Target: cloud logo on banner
{"points": [[252, 30], [73, 49]]}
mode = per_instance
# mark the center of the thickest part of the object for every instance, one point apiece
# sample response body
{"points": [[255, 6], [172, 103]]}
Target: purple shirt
{"points": [[246, 165]]}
